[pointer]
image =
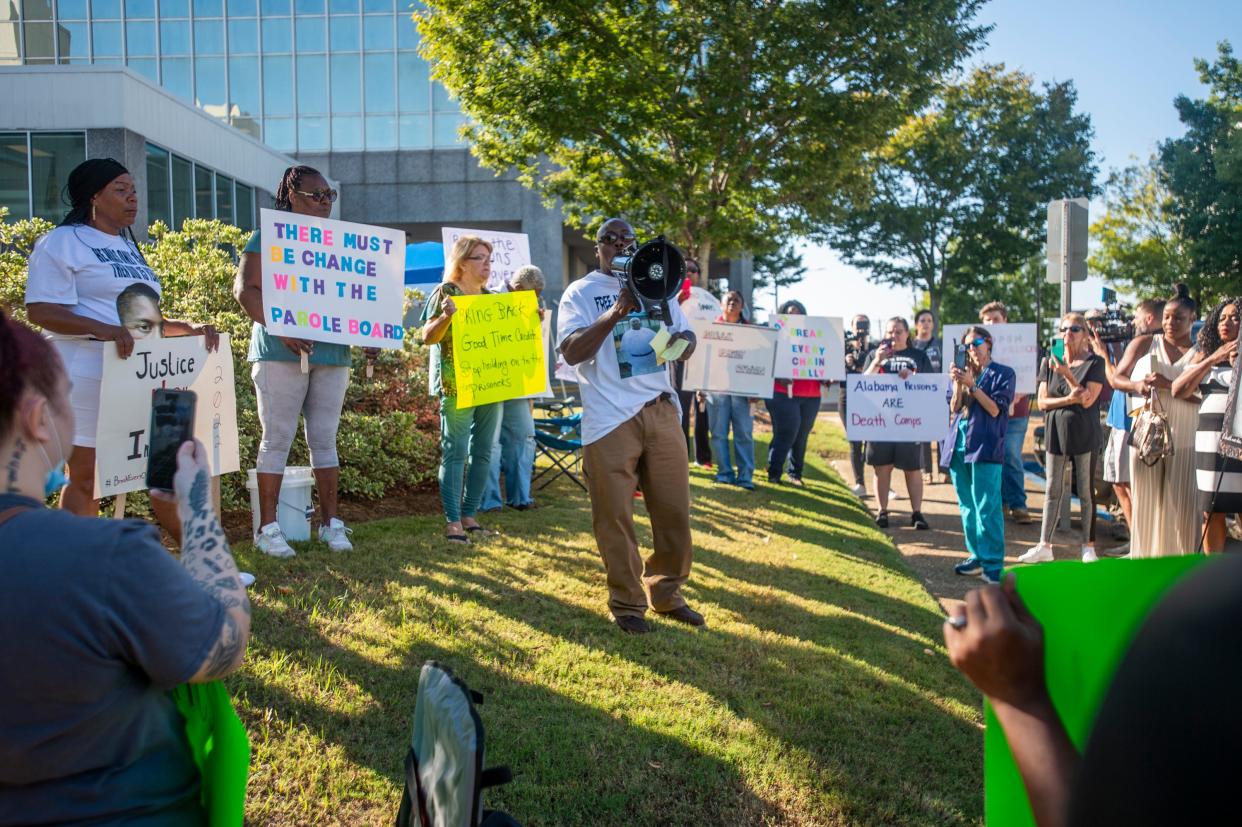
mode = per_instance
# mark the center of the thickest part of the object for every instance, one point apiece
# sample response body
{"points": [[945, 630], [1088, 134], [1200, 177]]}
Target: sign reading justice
{"points": [[332, 281], [498, 348]]}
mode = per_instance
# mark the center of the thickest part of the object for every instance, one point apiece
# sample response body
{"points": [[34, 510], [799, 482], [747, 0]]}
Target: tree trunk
{"points": [[704, 256]]}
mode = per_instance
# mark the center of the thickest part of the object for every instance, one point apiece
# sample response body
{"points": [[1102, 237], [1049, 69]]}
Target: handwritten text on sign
{"points": [[182, 363], [810, 347], [332, 281], [509, 252], [885, 408], [1013, 345], [732, 358], [498, 348]]}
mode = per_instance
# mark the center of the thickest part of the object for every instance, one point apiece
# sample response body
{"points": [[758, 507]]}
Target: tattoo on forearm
{"points": [[14, 465], [198, 492], [226, 650]]}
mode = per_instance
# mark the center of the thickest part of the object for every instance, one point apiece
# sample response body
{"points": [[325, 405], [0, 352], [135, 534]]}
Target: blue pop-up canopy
{"points": [[424, 263]]}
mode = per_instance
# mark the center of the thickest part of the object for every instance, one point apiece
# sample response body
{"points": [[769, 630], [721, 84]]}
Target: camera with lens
{"points": [[857, 345], [1116, 324]]}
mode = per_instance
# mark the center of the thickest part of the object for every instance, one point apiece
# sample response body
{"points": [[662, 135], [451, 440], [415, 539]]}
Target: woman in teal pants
{"points": [[975, 450]]}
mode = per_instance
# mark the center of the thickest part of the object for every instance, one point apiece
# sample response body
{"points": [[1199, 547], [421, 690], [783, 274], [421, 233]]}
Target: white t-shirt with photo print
{"points": [[608, 399]]}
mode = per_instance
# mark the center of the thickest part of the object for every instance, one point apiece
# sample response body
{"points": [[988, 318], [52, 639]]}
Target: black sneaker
{"points": [[917, 520], [881, 519]]}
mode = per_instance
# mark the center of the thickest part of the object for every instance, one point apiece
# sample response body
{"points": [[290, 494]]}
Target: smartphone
{"points": [[172, 423], [1058, 349], [959, 357]]}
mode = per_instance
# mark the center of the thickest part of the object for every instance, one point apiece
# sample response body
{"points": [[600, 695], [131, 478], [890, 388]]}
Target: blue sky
{"points": [[1128, 61]]}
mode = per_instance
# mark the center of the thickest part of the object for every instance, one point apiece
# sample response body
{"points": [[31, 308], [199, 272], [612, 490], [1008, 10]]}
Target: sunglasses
{"points": [[977, 343], [328, 195], [1073, 328], [612, 238]]}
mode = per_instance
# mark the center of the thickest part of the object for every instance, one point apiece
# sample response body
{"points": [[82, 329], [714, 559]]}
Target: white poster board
{"points": [[509, 252], [182, 363], [810, 347], [332, 281], [886, 408], [701, 306], [1013, 345], [732, 358]]}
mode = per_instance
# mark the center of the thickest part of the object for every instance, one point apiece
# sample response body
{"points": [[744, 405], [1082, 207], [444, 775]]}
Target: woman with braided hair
{"points": [[1211, 374], [284, 392], [78, 274]]}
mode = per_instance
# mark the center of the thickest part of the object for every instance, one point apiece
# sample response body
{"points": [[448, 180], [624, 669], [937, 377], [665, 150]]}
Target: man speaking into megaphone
{"points": [[617, 334]]}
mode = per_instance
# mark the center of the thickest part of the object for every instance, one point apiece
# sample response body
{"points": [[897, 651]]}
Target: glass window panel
{"points": [[208, 8], [412, 82], [71, 9], [440, 99], [74, 41], [346, 133], [52, 156], [14, 185], [244, 207], [446, 126], [312, 33], [343, 6], [274, 8], [278, 35], [345, 34], [137, 9], [105, 9], [159, 194], [31, 10], [140, 39], [280, 133], [377, 5], [209, 82], [243, 87], [40, 42], [174, 8], [380, 95], [415, 131], [407, 33], [307, 7], [204, 193], [108, 61], [145, 66], [208, 37], [277, 86], [243, 8], [346, 86], [243, 36], [176, 76], [106, 39], [382, 132], [312, 134], [175, 38], [182, 191], [312, 84], [224, 199], [248, 125], [377, 33]]}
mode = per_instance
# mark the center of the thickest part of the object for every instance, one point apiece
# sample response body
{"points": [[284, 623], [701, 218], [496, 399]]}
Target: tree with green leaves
{"points": [[1025, 291], [726, 125], [960, 191], [774, 271], [1203, 171]]}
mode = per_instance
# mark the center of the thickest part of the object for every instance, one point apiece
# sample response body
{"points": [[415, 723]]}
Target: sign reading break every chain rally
{"points": [[886, 408], [498, 348], [810, 347], [332, 281]]}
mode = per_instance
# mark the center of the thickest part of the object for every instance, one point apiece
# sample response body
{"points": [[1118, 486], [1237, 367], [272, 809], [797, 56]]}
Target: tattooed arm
{"points": [[205, 555]]}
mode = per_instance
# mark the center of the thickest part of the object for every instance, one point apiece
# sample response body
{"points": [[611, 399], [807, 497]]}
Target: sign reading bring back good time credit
{"points": [[498, 348], [332, 281]]}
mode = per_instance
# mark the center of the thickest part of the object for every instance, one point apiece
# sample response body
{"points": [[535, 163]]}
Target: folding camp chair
{"points": [[559, 438]]}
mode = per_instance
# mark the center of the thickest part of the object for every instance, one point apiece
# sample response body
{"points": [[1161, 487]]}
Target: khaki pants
{"points": [[647, 450]]}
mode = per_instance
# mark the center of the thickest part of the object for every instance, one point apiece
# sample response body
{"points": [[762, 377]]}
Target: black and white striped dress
{"points": [[1219, 479]]}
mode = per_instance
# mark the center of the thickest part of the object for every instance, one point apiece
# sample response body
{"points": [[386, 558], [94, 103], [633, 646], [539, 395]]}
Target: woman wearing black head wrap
{"points": [[77, 273]]}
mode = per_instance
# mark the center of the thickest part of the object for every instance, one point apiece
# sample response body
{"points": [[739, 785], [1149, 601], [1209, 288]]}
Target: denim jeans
{"points": [[792, 421], [514, 453], [1013, 477], [466, 434], [725, 410], [978, 486]]}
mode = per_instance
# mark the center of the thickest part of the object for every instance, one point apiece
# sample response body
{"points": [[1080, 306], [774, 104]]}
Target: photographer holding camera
{"points": [[858, 349]]}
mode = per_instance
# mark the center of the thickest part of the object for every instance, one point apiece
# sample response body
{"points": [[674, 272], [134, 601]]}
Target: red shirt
{"points": [[801, 387]]}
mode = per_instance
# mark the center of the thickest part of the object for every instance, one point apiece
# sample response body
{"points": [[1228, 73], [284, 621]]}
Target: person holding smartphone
{"points": [[974, 450]]}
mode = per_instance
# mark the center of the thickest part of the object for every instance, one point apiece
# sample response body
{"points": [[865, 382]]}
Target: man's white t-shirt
{"points": [[85, 270], [608, 400]]}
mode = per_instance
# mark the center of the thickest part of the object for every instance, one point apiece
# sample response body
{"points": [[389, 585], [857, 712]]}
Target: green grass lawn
{"points": [[819, 692]]}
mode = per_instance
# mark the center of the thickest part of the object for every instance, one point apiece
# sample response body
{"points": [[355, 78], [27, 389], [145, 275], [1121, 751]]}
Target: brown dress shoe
{"points": [[684, 614], [632, 624]]}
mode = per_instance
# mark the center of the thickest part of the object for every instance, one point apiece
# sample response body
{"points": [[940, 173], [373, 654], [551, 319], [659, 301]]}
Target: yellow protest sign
{"points": [[498, 348]]}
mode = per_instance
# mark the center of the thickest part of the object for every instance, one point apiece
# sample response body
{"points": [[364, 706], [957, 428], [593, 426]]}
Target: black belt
{"points": [[664, 397]]}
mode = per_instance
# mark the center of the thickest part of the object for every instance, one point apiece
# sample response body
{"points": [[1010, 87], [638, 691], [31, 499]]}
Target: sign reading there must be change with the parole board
{"points": [[332, 281], [181, 363], [886, 408], [1013, 345], [498, 348], [810, 347], [732, 358], [509, 252]]}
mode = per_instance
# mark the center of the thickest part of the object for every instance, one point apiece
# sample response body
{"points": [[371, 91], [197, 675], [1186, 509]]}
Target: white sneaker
{"points": [[893, 495], [1088, 555], [1041, 553], [859, 490], [271, 541], [334, 535]]}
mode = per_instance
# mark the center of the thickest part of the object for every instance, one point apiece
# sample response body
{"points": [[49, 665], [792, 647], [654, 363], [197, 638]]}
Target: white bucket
{"points": [[293, 508]]}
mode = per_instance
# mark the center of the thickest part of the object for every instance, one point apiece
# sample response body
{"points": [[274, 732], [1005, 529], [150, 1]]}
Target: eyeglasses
{"points": [[1073, 328], [612, 238], [321, 196], [977, 343]]}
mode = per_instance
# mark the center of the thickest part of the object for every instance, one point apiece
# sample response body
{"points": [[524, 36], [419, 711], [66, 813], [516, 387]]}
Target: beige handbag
{"points": [[1151, 436]]}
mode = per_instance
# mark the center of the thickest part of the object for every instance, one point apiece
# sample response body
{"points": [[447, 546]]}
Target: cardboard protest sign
{"points": [[702, 306], [1109, 597], [182, 363], [509, 252], [332, 281], [810, 347], [498, 348], [886, 408], [732, 358], [1013, 345]]}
